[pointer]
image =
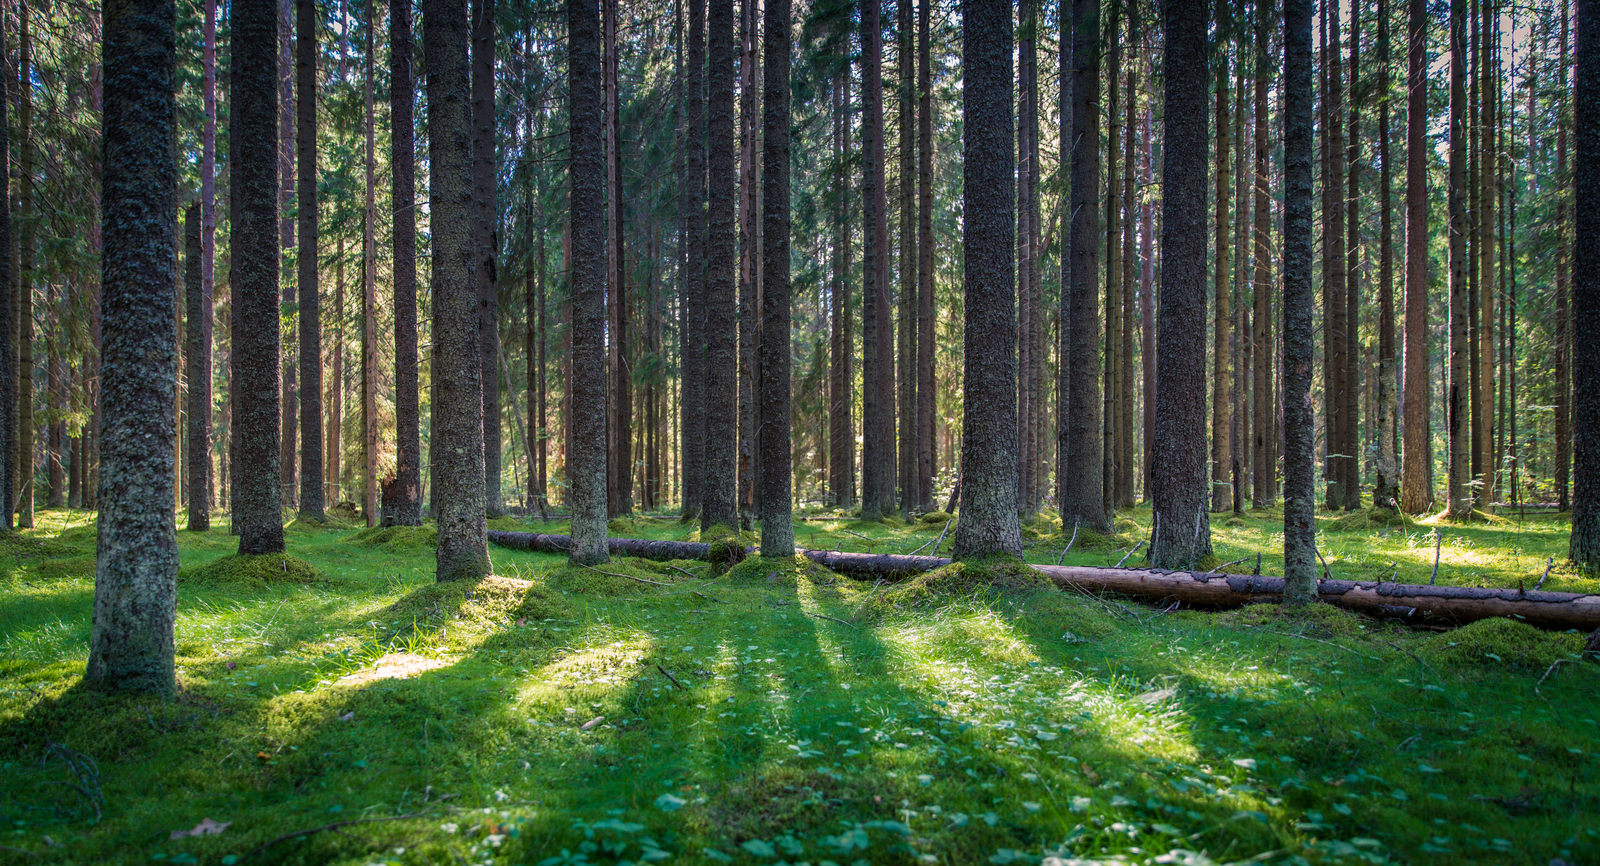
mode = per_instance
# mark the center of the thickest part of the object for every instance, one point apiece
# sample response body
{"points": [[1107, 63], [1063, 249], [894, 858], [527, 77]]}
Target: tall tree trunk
{"points": [[1082, 447], [311, 491], [777, 527], [486, 242], [334, 441], [1111, 457], [877, 359], [290, 406], [910, 429], [1416, 491], [1585, 544], [1459, 499], [1180, 478], [1335, 304], [1125, 399], [255, 249], [841, 399], [1489, 193], [1239, 339], [987, 523], [1299, 475], [1222, 320], [25, 267], [1561, 338], [402, 145], [1354, 447], [586, 455], [9, 439], [369, 303], [1385, 491], [1264, 487], [749, 248], [1027, 77], [926, 390], [1147, 288], [131, 642], [693, 301], [722, 358], [457, 441], [197, 358]]}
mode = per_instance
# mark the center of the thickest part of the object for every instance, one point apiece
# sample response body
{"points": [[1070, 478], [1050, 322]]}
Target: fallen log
{"points": [[1560, 610]]}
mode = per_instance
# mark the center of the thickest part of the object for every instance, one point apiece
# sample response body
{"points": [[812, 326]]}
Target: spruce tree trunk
{"points": [[369, 300], [255, 249], [1147, 307], [8, 319], [693, 301], [485, 242], [402, 122], [777, 527], [926, 389], [1336, 341], [131, 642], [197, 355], [1027, 76], [722, 357], [1222, 320], [1082, 446], [1488, 282], [877, 360], [1561, 336], [1459, 397], [1125, 463], [1299, 468], [987, 523], [910, 430], [1179, 479], [1416, 483], [287, 441], [25, 267], [334, 441], [312, 505], [1264, 472], [457, 440], [1114, 268], [1385, 491], [1350, 484], [749, 277], [841, 395], [1585, 543]]}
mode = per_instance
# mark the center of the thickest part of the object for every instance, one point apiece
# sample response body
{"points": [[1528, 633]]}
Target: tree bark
{"points": [[1222, 320], [1179, 480], [311, 491], [26, 257], [290, 405], [749, 269], [877, 346], [197, 354], [910, 429], [619, 440], [1111, 416], [457, 442], [402, 122], [1354, 448], [1585, 543], [1335, 304], [9, 440], [777, 527], [1385, 491], [1416, 492], [987, 523], [1027, 215], [486, 242], [1561, 337], [586, 454], [131, 641], [722, 358], [1459, 418], [1299, 475], [926, 390], [693, 301]]}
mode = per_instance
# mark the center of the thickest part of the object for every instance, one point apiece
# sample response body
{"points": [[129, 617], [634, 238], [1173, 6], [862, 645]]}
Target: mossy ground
{"points": [[983, 719]]}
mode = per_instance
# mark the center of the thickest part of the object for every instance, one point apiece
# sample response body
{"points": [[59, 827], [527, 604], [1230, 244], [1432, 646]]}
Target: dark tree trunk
{"points": [[1127, 454], [722, 358], [8, 370], [457, 441], [1585, 545], [1114, 269], [25, 267], [749, 268], [311, 495], [1561, 336], [1386, 489], [586, 450], [926, 389], [369, 300], [1299, 297], [131, 642], [1221, 368], [987, 523], [486, 242], [619, 438], [841, 395], [1416, 491], [1027, 76], [877, 359], [1459, 418], [1147, 307], [910, 430], [255, 248], [407, 414], [1335, 305], [1354, 447], [1263, 486], [1081, 445], [1180, 478], [777, 527], [692, 432], [290, 405], [197, 355]]}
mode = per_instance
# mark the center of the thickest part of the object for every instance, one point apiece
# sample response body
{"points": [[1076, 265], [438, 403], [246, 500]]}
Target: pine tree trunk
{"points": [[1111, 458], [9, 439], [926, 389], [197, 356], [777, 528], [1082, 448], [1027, 63], [1350, 485], [693, 399], [485, 242], [25, 267], [1561, 336], [1263, 489], [457, 442], [877, 359], [334, 442], [1222, 320], [1125, 464], [1385, 491], [1179, 480], [131, 642], [289, 455], [987, 523], [1335, 304], [311, 490], [402, 122], [841, 399], [1147, 288], [1488, 283], [1459, 502], [1416, 491], [722, 355], [910, 496], [255, 246], [1585, 543], [1299, 473], [749, 291]]}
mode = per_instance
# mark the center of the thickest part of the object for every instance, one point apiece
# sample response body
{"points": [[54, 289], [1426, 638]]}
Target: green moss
{"points": [[965, 580], [1500, 642], [936, 518], [19, 546], [1234, 522], [1059, 615], [492, 600], [252, 572], [728, 548], [86, 535], [1366, 519], [1127, 524], [58, 569], [407, 538], [603, 580], [620, 527], [507, 523]]}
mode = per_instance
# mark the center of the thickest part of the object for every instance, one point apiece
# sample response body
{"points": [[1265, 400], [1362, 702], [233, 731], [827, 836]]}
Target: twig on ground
{"points": [[1218, 569], [867, 597], [18, 850], [1438, 540], [684, 570], [858, 535], [1549, 563], [1549, 671], [1325, 569], [671, 677], [334, 826], [708, 597], [626, 576], [1073, 541], [1131, 551], [833, 618]]}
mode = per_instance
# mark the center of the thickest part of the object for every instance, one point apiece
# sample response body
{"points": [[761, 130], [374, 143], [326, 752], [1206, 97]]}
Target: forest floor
{"points": [[338, 706]]}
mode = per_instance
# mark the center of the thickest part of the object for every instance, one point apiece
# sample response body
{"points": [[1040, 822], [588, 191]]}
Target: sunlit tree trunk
{"points": [[1299, 466], [407, 413], [777, 528]]}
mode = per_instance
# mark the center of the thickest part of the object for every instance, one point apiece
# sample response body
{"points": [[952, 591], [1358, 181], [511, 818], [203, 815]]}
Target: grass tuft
{"points": [[252, 572], [1501, 643]]}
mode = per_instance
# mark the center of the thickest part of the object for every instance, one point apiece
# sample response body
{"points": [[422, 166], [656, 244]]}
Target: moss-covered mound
{"points": [[620, 576], [507, 523], [68, 567], [1089, 539], [345, 511], [252, 572], [935, 518], [728, 548], [778, 571], [491, 601], [86, 535], [19, 546], [1324, 619], [1366, 520], [1501, 642], [405, 538], [964, 580]]}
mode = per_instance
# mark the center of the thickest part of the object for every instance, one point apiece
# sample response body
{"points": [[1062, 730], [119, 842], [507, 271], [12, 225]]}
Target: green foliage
{"points": [[398, 538], [1502, 643], [252, 572], [936, 518]]}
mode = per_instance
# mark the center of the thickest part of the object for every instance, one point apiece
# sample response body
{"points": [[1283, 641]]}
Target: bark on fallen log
{"points": [[1560, 610]]}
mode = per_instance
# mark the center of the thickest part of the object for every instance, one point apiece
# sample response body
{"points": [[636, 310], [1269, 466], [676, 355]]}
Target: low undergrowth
{"points": [[648, 712]]}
